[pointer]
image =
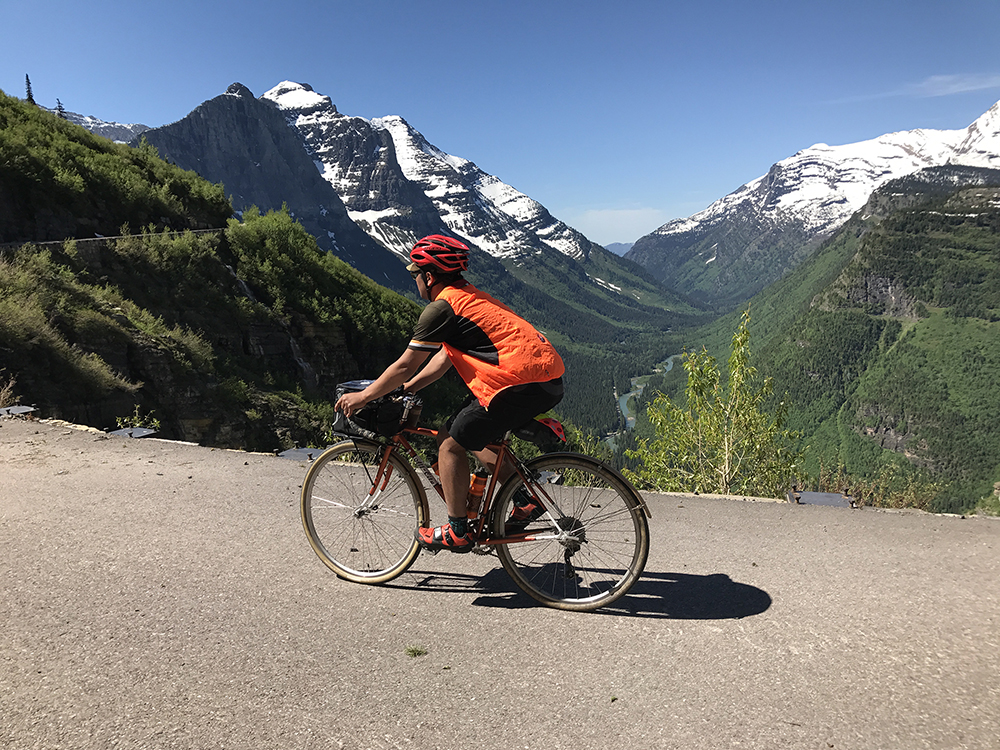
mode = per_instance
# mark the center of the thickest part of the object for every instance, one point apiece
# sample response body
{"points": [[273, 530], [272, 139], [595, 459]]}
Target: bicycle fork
{"points": [[377, 486]]}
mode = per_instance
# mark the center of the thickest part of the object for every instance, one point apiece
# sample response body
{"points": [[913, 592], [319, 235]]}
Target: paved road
{"points": [[160, 595]]}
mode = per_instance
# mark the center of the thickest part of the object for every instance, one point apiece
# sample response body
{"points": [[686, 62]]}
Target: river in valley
{"points": [[638, 384]]}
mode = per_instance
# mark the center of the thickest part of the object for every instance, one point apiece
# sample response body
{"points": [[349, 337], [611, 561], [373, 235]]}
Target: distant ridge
{"points": [[115, 131]]}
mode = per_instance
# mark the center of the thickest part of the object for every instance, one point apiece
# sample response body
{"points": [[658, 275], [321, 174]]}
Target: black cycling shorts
{"points": [[474, 427]]}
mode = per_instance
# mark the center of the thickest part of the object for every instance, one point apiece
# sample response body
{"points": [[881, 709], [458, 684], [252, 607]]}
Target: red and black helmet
{"points": [[440, 253]]}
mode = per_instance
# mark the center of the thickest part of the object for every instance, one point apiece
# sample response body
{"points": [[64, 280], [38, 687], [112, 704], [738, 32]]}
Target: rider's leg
{"points": [[453, 467], [488, 458], [473, 428], [477, 427]]}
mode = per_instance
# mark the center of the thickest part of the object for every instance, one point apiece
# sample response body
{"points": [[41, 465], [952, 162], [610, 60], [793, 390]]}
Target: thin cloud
{"points": [[953, 84], [932, 86]]}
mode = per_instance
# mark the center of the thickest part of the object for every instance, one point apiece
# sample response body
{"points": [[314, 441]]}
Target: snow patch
{"points": [[605, 284], [289, 95]]}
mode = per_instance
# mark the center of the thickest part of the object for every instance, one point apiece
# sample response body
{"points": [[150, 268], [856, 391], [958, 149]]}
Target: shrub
{"points": [[722, 440]]}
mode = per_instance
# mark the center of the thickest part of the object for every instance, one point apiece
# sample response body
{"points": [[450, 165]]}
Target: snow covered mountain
{"points": [[398, 187], [473, 204], [367, 189], [751, 237]]}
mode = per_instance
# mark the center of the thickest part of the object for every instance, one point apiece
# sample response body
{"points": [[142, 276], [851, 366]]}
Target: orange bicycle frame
{"points": [[504, 453]]}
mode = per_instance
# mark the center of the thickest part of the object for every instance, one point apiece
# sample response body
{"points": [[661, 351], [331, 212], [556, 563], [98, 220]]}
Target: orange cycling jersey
{"points": [[491, 347]]}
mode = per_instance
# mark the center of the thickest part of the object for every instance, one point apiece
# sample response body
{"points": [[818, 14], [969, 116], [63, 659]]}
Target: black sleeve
{"points": [[436, 323]]}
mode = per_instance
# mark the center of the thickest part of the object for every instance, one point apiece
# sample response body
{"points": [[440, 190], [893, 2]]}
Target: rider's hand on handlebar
{"points": [[350, 403]]}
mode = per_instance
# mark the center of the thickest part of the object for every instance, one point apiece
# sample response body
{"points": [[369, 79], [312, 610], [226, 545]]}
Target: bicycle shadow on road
{"points": [[673, 596], [683, 596]]}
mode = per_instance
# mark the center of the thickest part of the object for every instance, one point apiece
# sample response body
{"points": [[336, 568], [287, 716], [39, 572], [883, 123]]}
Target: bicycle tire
{"points": [[360, 540], [604, 552]]}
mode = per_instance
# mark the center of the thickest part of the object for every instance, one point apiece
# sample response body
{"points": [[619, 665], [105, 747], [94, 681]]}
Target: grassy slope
{"points": [[58, 180]]}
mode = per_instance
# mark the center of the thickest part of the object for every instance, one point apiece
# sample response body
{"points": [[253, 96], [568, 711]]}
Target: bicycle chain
{"points": [[476, 550]]}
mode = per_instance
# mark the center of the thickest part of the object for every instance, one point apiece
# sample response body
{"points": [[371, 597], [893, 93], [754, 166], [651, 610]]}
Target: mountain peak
{"points": [[238, 89], [981, 146], [373, 163], [289, 95]]}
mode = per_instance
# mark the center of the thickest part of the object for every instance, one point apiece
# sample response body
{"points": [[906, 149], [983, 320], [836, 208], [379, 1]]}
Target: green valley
{"points": [[886, 342]]}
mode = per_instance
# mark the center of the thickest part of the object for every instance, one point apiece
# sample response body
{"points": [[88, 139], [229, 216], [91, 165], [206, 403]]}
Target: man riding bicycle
{"points": [[511, 369]]}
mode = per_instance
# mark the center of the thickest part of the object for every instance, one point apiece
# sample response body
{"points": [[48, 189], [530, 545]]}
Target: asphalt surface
{"points": [[162, 595]]}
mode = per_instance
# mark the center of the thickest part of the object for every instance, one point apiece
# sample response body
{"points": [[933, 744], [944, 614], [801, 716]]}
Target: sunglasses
{"points": [[415, 274]]}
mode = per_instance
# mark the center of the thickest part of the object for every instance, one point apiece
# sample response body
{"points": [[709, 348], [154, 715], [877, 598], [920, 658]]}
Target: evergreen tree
{"points": [[60, 109], [27, 86]]}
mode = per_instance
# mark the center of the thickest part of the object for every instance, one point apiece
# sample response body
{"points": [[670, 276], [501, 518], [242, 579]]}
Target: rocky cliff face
{"points": [[246, 144], [398, 186]]}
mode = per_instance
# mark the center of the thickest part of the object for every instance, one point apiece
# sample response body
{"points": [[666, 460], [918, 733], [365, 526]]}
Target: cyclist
{"points": [[511, 369]]}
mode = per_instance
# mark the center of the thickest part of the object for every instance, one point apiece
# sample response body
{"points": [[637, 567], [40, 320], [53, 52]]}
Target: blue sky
{"points": [[617, 116]]}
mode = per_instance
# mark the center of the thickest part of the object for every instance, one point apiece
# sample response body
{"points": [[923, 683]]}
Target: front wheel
{"points": [[589, 547], [358, 521]]}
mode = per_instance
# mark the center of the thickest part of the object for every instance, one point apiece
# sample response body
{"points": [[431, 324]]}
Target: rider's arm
{"points": [[393, 377], [438, 366]]}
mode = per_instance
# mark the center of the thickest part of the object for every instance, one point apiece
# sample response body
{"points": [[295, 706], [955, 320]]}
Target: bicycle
{"points": [[362, 500]]}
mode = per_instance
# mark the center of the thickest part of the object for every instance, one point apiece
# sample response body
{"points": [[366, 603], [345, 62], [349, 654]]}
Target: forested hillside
{"points": [[887, 341], [900, 353]]}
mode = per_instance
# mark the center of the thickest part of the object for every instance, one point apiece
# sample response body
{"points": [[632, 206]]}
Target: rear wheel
{"points": [[361, 525], [590, 546]]}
